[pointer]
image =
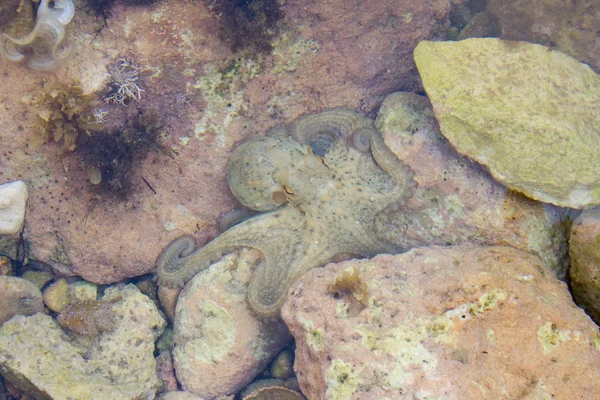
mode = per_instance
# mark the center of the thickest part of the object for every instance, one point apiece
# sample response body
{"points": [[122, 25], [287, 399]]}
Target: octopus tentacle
{"points": [[365, 139], [321, 130], [234, 217], [179, 262], [270, 282]]}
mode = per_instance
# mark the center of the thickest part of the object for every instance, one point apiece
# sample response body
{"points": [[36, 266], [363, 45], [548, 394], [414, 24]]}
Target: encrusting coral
{"points": [[44, 44], [320, 182]]}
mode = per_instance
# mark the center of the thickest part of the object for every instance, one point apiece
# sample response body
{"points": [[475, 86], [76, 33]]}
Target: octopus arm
{"points": [[365, 139], [273, 277], [180, 260]]}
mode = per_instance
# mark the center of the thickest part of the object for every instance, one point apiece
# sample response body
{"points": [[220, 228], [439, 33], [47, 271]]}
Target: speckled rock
{"points": [[18, 296], [584, 249], [456, 201], [571, 26], [38, 357], [530, 115], [332, 53], [219, 346], [457, 323]]}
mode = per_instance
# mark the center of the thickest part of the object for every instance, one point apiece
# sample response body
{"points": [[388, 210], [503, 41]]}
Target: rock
{"points": [[219, 346], [457, 323], [168, 300], [456, 201], [13, 206], [483, 24], [527, 113], [18, 297], [282, 366], [178, 396], [81, 291], [584, 249], [331, 54], [88, 317], [56, 296], [38, 278], [571, 26], [38, 357], [269, 389], [6, 267], [165, 371]]}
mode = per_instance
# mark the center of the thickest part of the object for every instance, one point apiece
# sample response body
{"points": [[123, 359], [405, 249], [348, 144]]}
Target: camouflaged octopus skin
{"points": [[319, 184]]}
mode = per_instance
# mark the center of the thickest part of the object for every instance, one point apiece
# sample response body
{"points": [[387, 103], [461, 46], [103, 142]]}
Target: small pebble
{"points": [[56, 296], [283, 365], [82, 290], [18, 296], [88, 318], [38, 278]]}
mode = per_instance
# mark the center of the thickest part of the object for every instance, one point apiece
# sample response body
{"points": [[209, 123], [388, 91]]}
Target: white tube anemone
{"points": [[46, 42]]}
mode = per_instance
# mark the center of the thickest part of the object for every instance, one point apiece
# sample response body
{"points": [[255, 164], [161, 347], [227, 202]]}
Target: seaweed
{"points": [[103, 8], [249, 25], [64, 113], [111, 157]]}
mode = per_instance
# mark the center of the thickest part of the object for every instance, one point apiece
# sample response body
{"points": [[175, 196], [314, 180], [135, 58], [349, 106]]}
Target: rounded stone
{"points": [[462, 322], [219, 345], [528, 113], [18, 297]]}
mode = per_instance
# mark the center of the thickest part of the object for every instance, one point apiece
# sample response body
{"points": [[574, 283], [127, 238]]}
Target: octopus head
{"points": [[267, 172]]}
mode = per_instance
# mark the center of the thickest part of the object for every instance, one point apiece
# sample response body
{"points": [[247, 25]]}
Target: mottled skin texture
{"points": [[314, 207]]}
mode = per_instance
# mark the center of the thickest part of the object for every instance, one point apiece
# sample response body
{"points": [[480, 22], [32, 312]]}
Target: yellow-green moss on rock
{"points": [[531, 115]]}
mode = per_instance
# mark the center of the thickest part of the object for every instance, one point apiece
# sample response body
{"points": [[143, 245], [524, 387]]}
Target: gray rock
{"points": [[18, 297], [39, 358], [529, 114], [456, 200]]}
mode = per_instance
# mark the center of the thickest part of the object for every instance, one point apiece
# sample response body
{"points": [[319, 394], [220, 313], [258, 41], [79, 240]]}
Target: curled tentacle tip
{"points": [[361, 139]]}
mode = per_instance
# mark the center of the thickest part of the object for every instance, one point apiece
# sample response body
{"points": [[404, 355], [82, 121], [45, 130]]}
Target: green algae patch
{"points": [[217, 337], [531, 115], [342, 380], [550, 336], [314, 336]]}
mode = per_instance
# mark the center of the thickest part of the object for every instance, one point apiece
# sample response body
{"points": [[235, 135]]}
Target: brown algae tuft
{"points": [[64, 113]]}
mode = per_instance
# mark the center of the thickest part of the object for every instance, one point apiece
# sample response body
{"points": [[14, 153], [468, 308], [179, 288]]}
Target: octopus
{"points": [[316, 187]]}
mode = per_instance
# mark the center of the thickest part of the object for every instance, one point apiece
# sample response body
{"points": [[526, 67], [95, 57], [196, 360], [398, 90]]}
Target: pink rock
{"points": [[219, 346], [165, 371], [362, 52], [455, 323], [584, 249], [456, 200]]}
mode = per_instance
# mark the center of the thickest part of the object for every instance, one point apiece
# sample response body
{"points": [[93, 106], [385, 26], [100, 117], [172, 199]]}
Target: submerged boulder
{"points": [[455, 323], [529, 114], [38, 357]]}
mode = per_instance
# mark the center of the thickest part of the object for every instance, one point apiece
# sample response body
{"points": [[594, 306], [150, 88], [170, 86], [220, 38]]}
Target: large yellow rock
{"points": [[531, 115]]}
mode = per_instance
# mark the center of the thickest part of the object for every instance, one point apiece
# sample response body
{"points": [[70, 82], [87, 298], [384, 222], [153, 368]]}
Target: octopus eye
{"points": [[288, 189], [278, 197]]}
